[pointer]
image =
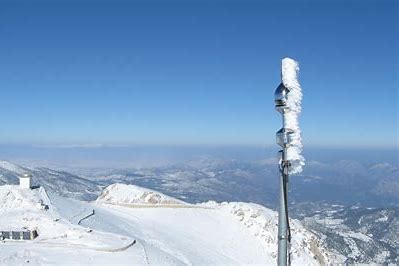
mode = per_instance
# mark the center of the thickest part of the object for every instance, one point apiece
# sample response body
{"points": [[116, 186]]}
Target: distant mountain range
{"points": [[363, 235], [60, 182], [343, 182]]}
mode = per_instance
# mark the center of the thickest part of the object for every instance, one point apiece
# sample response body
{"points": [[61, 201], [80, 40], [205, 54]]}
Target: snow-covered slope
{"points": [[4, 165], [261, 223], [122, 194], [368, 235], [61, 182], [209, 233], [174, 233], [58, 241]]}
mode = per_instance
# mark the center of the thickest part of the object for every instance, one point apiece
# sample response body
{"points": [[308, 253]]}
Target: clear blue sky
{"points": [[196, 73]]}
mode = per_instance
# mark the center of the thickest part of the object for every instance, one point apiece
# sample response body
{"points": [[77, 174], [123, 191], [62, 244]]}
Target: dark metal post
{"points": [[283, 138]]}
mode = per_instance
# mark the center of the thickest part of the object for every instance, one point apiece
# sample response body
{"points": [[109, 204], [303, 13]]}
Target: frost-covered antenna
{"points": [[288, 99]]}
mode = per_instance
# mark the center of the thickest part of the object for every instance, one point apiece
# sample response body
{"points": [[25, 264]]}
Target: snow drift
{"points": [[122, 194]]}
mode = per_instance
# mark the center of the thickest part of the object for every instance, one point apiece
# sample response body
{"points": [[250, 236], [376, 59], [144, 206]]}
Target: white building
{"points": [[25, 181]]}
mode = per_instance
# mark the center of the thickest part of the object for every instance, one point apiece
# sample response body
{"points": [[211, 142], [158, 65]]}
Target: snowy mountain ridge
{"points": [[255, 220], [122, 194], [262, 224], [60, 182], [12, 167], [174, 233]]}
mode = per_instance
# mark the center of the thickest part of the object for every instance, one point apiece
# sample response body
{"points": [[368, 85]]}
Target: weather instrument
{"points": [[288, 100]]}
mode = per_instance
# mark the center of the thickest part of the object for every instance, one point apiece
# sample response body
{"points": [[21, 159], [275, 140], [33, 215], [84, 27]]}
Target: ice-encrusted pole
{"points": [[288, 99]]}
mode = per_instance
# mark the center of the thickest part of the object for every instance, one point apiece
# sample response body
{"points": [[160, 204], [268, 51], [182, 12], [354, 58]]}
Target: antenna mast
{"points": [[287, 98]]}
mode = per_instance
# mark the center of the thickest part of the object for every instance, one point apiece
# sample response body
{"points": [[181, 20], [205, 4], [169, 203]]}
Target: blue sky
{"points": [[197, 73]]}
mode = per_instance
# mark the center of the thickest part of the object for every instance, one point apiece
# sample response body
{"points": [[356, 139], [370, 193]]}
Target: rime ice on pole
{"points": [[289, 77]]}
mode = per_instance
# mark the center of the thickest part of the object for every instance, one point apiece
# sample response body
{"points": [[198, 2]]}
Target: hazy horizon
{"points": [[152, 156]]}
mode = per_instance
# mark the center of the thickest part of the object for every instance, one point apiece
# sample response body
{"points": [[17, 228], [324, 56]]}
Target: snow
{"points": [[384, 166], [289, 76], [382, 219], [357, 235], [21, 209], [226, 233], [12, 168], [123, 194], [173, 233]]}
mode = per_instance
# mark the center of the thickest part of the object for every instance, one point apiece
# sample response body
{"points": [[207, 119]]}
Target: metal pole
{"points": [[283, 137], [288, 97], [282, 216]]}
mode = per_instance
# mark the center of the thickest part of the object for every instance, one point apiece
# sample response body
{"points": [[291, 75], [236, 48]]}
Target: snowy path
{"points": [[59, 242], [105, 221], [167, 235]]}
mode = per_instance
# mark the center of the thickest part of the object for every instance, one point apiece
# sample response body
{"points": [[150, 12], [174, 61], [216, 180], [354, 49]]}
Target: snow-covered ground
{"points": [[127, 195], [125, 230], [59, 240]]}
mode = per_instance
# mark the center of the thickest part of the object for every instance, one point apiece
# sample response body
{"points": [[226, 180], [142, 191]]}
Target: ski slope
{"points": [[144, 231]]}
